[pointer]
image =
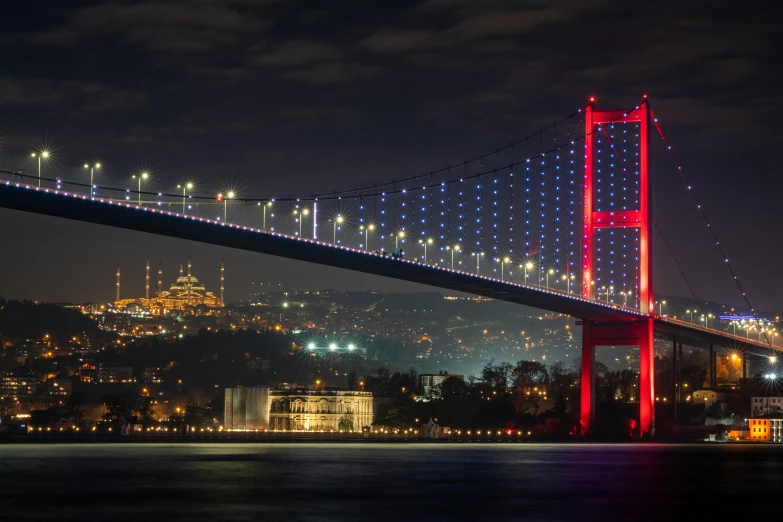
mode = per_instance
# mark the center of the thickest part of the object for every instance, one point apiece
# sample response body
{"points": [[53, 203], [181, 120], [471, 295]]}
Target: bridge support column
{"points": [[638, 333], [587, 380], [646, 378]]}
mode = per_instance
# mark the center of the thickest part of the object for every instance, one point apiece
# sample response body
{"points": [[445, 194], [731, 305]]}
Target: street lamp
{"points": [[92, 173], [691, 314], [528, 266], [660, 307], [503, 262], [263, 223], [339, 220], [305, 213], [399, 235], [43, 154], [478, 255], [453, 249], [185, 187], [367, 229], [608, 289], [425, 243], [773, 359], [229, 195], [143, 176], [548, 273]]}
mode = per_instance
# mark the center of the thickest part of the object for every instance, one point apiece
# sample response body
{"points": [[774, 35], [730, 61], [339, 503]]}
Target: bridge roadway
{"points": [[122, 214]]}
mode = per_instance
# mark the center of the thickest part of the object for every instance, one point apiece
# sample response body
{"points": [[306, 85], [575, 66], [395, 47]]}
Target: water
{"points": [[384, 482]]}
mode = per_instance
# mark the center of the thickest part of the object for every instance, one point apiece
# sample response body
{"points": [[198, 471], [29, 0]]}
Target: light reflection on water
{"points": [[379, 482]]}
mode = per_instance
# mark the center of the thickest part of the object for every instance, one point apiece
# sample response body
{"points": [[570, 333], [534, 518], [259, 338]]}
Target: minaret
{"points": [[180, 270], [188, 268], [147, 282], [222, 280], [160, 279], [118, 282], [190, 282]]}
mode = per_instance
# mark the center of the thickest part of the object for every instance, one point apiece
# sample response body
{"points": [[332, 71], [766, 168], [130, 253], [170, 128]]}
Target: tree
{"points": [[345, 425]]}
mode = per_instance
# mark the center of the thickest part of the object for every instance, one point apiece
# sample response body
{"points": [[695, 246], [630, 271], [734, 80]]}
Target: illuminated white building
{"points": [[300, 409]]}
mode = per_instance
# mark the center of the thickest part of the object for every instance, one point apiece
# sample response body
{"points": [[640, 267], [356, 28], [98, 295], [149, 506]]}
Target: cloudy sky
{"points": [[272, 96]]}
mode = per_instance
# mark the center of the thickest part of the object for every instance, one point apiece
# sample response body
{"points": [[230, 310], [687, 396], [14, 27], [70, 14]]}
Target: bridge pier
{"points": [[638, 333]]}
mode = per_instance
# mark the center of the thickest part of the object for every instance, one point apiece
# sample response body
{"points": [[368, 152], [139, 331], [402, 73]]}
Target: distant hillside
{"points": [[27, 319]]}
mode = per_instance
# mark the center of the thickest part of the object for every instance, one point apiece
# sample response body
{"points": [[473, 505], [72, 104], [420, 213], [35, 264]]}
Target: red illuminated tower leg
{"points": [[646, 378], [587, 400]]}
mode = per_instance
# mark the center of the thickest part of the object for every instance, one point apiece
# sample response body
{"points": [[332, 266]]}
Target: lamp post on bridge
{"points": [[143, 176], [338, 221], [503, 262], [302, 215], [691, 314], [527, 266], [92, 174], [399, 235], [369, 228], [229, 195], [429, 241], [263, 222], [549, 272], [43, 154], [478, 256], [185, 187], [453, 249], [608, 290]]}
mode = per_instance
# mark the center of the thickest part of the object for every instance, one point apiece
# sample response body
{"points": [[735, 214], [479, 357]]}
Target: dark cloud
{"points": [[45, 93], [168, 25]]}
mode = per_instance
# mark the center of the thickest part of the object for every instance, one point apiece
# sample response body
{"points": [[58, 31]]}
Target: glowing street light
{"points": [[185, 187], [429, 241], [351, 347], [478, 255], [399, 235], [608, 290], [453, 249], [229, 195], [311, 346], [143, 176], [527, 266], [305, 213], [503, 262], [549, 272], [92, 174], [338, 221], [772, 359], [691, 314], [42, 154], [367, 229], [332, 346], [660, 307]]}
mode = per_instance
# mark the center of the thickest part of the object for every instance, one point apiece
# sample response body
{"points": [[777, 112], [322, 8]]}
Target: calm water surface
{"points": [[380, 482]]}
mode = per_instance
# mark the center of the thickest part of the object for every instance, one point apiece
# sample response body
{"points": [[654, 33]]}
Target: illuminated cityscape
{"points": [[498, 260]]}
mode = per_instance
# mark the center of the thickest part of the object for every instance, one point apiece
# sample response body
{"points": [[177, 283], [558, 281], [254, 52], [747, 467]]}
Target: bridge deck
{"points": [[129, 216]]}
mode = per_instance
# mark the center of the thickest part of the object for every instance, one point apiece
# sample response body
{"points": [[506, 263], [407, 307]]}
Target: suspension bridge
{"points": [[560, 220]]}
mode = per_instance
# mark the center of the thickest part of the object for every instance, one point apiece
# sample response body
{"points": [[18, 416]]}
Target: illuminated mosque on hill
{"points": [[186, 294]]}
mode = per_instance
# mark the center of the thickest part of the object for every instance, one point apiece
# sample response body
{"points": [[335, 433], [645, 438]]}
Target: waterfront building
{"points": [[765, 405], [766, 428], [429, 382], [18, 386], [298, 409]]}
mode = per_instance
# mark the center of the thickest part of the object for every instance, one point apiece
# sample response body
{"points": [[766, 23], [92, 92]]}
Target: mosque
{"points": [[186, 294]]}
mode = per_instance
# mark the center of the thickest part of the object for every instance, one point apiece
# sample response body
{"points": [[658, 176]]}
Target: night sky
{"points": [[280, 97]]}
